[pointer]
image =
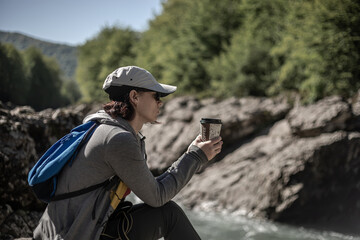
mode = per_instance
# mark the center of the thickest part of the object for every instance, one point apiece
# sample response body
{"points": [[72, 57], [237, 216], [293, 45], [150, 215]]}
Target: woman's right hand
{"points": [[211, 147]]}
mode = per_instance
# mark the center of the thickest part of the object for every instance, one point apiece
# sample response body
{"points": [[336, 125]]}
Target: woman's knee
{"points": [[174, 209], [177, 223], [172, 205]]}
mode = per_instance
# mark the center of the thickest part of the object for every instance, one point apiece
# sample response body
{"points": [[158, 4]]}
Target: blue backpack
{"points": [[43, 176]]}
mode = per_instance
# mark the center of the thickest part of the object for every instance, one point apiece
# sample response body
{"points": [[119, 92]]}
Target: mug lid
{"points": [[210, 120]]}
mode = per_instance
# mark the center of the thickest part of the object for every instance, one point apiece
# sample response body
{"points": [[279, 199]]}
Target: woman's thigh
{"points": [[168, 221]]}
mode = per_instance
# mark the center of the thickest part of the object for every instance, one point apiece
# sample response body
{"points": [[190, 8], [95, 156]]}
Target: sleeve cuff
{"points": [[199, 152]]}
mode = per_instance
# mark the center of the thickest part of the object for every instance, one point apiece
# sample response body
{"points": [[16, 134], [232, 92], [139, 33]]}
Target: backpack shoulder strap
{"points": [[84, 140], [108, 184]]}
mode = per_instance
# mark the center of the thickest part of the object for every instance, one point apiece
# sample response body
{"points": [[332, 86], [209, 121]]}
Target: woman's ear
{"points": [[133, 97]]}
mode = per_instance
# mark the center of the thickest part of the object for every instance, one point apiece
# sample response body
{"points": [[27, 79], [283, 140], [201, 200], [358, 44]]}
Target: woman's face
{"points": [[148, 107]]}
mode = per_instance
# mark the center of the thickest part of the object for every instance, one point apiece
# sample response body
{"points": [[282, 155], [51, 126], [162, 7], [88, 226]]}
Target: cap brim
{"points": [[164, 89]]}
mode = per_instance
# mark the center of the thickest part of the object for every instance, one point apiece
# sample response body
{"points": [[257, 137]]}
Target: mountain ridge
{"points": [[66, 55]]}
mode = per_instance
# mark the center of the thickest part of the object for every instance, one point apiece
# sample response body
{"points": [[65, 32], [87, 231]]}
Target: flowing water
{"points": [[211, 226], [216, 226]]}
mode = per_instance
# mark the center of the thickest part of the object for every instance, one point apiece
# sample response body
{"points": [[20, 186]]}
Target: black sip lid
{"points": [[210, 120]]}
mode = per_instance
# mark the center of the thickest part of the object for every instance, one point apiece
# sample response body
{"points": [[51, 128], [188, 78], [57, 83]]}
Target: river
{"points": [[216, 226], [211, 226]]}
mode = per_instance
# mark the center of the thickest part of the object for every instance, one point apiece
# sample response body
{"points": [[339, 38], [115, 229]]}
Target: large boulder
{"points": [[17, 223], [180, 124], [303, 170], [17, 151], [327, 115], [26, 135]]}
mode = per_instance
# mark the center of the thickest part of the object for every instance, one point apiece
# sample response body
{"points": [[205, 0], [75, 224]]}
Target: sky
{"points": [[73, 22]]}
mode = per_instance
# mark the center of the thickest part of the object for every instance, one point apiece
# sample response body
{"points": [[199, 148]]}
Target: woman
{"points": [[117, 148]]}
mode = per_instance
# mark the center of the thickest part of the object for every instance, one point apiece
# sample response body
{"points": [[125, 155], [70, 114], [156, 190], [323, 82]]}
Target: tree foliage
{"points": [[319, 54], [237, 48], [184, 38], [246, 66], [44, 80], [209, 48], [30, 78], [64, 54], [14, 84], [100, 56]]}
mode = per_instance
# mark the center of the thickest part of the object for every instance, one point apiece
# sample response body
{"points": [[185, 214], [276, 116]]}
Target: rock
{"points": [[242, 171], [17, 151], [327, 115], [20, 223], [240, 117], [298, 166], [26, 135], [280, 175], [354, 123], [283, 178], [355, 102], [5, 212]]}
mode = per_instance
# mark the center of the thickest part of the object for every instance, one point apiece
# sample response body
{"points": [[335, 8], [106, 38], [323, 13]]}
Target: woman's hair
{"points": [[120, 105], [119, 109]]}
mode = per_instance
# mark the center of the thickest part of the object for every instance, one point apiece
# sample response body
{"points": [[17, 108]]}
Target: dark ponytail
{"points": [[120, 105]]}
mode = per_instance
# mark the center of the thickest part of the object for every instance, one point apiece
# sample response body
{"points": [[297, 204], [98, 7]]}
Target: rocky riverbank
{"points": [[280, 161]]}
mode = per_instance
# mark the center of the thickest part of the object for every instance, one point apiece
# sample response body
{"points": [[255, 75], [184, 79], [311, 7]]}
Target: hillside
{"points": [[64, 54]]}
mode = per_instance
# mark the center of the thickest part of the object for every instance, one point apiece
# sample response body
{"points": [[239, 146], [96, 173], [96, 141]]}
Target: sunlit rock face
{"points": [[294, 164]]}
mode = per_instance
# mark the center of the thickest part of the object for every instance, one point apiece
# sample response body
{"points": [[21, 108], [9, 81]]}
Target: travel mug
{"points": [[210, 128]]}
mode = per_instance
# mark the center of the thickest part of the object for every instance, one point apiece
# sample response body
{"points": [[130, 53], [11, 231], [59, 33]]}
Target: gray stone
{"points": [[297, 165], [240, 117], [327, 115]]}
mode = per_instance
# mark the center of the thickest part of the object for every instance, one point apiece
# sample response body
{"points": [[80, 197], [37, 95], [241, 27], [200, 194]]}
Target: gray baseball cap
{"points": [[136, 77]]}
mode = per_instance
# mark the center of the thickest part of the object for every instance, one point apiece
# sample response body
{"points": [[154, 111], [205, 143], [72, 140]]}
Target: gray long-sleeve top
{"points": [[113, 149]]}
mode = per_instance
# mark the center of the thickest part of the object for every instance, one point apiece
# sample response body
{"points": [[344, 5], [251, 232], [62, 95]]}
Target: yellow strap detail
{"points": [[117, 195]]}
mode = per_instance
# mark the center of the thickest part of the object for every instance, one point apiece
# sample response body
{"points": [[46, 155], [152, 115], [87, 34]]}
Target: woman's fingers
{"points": [[196, 142], [218, 146], [211, 147], [216, 140]]}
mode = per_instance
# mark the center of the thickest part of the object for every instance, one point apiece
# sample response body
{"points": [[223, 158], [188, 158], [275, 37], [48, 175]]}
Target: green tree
{"points": [[319, 54], [70, 91], [156, 46], [184, 38], [246, 67], [14, 83], [236, 48], [98, 57], [44, 80]]}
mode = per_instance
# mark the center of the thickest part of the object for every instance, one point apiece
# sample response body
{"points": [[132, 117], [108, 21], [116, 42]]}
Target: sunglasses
{"points": [[156, 96]]}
